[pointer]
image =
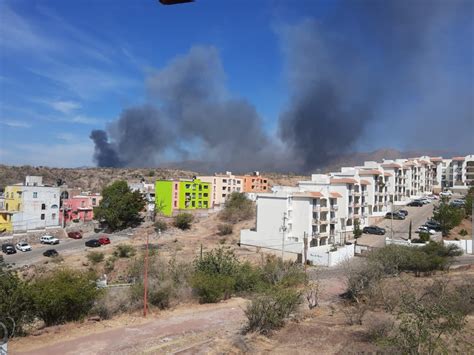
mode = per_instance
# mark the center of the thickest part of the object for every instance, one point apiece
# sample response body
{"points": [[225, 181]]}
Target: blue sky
{"points": [[67, 67]]}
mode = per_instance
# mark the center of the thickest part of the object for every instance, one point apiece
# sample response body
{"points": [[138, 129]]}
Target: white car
{"points": [[23, 246], [424, 229], [49, 239], [446, 193]]}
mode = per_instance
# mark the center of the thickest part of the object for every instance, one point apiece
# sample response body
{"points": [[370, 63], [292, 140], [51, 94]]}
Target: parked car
{"points": [[50, 253], [394, 215], [49, 239], [415, 204], [104, 240], [446, 193], [424, 201], [23, 246], [374, 230], [93, 243], [75, 235], [403, 212], [8, 248], [433, 225], [425, 229]]}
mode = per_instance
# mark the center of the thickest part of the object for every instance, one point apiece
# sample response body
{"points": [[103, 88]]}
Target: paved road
{"points": [[65, 247], [417, 215]]}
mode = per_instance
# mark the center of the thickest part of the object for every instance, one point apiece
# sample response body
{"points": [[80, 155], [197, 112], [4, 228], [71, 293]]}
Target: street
{"points": [[65, 247], [417, 215]]}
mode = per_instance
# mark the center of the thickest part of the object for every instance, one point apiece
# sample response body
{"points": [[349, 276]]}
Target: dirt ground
{"points": [[466, 224]]}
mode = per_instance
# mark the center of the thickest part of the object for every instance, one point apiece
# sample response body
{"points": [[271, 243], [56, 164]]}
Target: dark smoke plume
{"points": [[352, 74], [104, 153]]}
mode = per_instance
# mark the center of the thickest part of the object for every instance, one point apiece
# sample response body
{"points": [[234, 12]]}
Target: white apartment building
{"points": [[38, 205], [456, 173], [222, 186]]}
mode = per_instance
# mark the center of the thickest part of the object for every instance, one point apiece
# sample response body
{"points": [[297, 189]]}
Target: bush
{"points": [[218, 261], [463, 232], [65, 295], [211, 288], [95, 257], [224, 229], [160, 226], [110, 263], [124, 251], [114, 301], [183, 220], [248, 278], [268, 311], [237, 208], [424, 237], [285, 273]]}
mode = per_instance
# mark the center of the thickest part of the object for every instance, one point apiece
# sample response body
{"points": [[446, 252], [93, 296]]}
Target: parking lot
{"points": [[417, 215]]}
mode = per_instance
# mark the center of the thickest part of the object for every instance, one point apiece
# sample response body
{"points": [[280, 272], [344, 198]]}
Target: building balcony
{"points": [[357, 193], [323, 221], [323, 233], [315, 221], [333, 220], [324, 208], [316, 208], [334, 207], [364, 193]]}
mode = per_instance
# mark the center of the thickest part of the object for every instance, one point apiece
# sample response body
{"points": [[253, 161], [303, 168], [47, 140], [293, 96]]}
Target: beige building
{"points": [[222, 186]]}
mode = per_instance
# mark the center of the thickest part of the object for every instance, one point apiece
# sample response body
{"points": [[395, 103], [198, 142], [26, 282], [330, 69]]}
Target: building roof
{"points": [[409, 163], [391, 165], [364, 182], [335, 195], [387, 174], [370, 172], [458, 158], [436, 158], [343, 181], [308, 194]]}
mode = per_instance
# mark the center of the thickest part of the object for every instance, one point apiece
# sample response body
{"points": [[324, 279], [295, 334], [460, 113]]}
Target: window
{"points": [[188, 186], [6, 205], [19, 206], [206, 187], [175, 203], [42, 216], [94, 201], [199, 195], [193, 204], [43, 206], [205, 194], [223, 188], [224, 181], [53, 216], [205, 204], [35, 195], [223, 195], [238, 182]]}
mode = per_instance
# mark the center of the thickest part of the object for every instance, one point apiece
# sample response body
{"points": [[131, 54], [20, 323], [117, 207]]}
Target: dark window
{"points": [[42, 216], [43, 206]]}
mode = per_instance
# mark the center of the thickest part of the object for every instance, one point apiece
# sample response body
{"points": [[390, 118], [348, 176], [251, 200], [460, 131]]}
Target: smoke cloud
{"points": [[370, 74]]}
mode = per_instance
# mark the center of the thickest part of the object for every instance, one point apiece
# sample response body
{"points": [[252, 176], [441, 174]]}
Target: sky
{"points": [[303, 81]]}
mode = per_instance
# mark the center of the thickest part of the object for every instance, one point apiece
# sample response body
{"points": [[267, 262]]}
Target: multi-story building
{"points": [[148, 193], [79, 208], [255, 183], [181, 195], [32, 205], [5, 217], [456, 173], [222, 186]]}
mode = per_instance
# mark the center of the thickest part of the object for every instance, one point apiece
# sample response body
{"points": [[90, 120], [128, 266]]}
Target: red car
{"points": [[104, 240], [75, 235]]}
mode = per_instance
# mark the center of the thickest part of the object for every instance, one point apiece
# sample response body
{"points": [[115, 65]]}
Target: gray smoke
{"points": [[104, 154], [192, 116], [368, 73]]}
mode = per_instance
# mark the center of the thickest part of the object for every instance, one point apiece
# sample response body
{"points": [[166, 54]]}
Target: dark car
{"points": [[403, 212], [415, 204], [51, 253], [8, 248], [394, 215], [373, 230], [433, 225], [75, 235], [104, 240], [93, 243]]}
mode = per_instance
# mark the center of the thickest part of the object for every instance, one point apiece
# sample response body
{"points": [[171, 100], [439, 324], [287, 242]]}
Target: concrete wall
{"points": [[323, 256], [465, 245]]}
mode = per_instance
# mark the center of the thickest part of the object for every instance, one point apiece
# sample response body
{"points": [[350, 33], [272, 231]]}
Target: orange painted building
{"points": [[255, 183]]}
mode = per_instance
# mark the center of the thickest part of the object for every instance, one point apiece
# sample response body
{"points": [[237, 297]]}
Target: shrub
{"points": [[160, 225], [237, 208], [183, 220], [224, 229], [110, 263], [95, 257], [448, 217], [217, 261], [248, 278], [424, 236], [114, 301], [124, 251], [268, 311], [211, 288], [160, 293], [65, 295], [463, 232], [275, 271]]}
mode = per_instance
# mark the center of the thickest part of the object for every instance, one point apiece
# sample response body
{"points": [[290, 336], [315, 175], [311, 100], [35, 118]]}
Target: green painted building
{"points": [[181, 195]]}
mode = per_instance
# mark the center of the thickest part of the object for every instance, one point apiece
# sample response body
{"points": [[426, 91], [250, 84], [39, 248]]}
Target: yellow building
{"points": [[10, 204]]}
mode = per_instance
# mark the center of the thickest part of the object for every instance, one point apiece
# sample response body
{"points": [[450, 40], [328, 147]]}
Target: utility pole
{"points": [[283, 229], [391, 222], [305, 241], [145, 280]]}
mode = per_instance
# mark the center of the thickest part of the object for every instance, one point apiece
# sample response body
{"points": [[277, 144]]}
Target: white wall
{"points": [[465, 245], [323, 256]]}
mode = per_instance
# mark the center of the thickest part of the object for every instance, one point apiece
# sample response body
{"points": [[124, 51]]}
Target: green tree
{"points": [[16, 305], [357, 231], [183, 220], [469, 202], [448, 217], [409, 231], [64, 295], [120, 206], [237, 208]]}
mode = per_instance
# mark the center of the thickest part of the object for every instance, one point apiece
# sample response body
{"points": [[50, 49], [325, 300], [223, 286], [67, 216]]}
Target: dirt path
{"points": [[189, 330]]}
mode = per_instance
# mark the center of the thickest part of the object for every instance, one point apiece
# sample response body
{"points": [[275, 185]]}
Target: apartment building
{"points": [[181, 195], [255, 183], [148, 192], [31, 205], [5, 217], [79, 208], [222, 186], [456, 173]]}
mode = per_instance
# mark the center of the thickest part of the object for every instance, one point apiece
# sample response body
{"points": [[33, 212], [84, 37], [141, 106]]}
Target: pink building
{"points": [[79, 208]]}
